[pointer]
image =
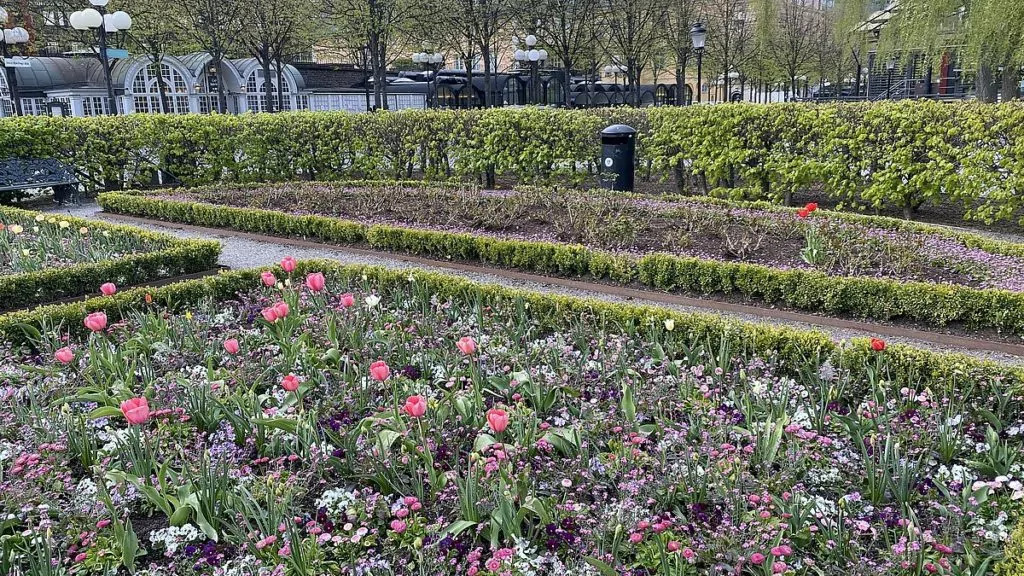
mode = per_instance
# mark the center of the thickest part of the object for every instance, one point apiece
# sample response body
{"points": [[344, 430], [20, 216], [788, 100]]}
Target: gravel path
{"points": [[241, 252]]}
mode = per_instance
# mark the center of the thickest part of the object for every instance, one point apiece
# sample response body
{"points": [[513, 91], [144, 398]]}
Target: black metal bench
{"points": [[18, 174]]}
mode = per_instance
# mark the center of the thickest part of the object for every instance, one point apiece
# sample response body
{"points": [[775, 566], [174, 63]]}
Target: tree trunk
{"points": [[268, 88], [985, 84], [222, 98], [485, 52], [681, 79], [161, 85], [280, 87], [1011, 83]]}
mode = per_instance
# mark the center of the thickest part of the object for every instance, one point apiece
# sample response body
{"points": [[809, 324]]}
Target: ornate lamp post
{"points": [[890, 65], [697, 36], [431, 62], [10, 37], [98, 18], [533, 58]]}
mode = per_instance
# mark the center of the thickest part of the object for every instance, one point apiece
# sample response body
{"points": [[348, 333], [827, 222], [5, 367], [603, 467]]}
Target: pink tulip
{"points": [[268, 278], [269, 314], [97, 321], [756, 558], [290, 383], [108, 289], [347, 300], [288, 264], [497, 420], [64, 355], [315, 282], [135, 410], [281, 309], [466, 345], [398, 526], [231, 346], [415, 406], [673, 546], [379, 371]]}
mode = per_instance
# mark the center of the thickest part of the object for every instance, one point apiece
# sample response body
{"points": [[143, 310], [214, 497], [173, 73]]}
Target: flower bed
{"points": [[48, 257], [328, 419], [814, 260]]}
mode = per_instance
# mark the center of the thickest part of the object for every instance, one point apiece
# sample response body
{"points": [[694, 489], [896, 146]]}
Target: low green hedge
{"points": [[793, 348], [175, 257], [877, 299], [1012, 563]]}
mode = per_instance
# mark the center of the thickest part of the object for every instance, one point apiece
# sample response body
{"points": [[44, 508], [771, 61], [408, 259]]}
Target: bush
{"points": [[1013, 562], [169, 257], [896, 155], [879, 299]]}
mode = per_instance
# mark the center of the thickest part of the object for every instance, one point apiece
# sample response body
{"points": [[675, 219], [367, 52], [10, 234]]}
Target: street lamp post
{"points": [[534, 58], [698, 35], [431, 62], [10, 37], [98, 18]]}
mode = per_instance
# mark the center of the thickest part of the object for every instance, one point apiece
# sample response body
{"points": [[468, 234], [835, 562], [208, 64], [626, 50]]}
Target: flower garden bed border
{"points": [[934, 305], [793, 347], [177, 258]]}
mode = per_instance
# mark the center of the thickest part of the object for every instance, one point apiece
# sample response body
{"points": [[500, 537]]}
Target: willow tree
{"points": [[986, 35]]}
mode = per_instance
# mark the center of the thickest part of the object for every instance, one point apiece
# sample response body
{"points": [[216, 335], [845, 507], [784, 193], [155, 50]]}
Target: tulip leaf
{"points": [[104, 412]]}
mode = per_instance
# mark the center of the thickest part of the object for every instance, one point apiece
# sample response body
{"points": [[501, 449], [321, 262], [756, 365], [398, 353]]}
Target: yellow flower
{"points": [[51, 219], [188, 315], [83, 230], [40, 217], [16, 229], [64, 224], [670, 324], [106, 233], [25, 252], [35, 229]]}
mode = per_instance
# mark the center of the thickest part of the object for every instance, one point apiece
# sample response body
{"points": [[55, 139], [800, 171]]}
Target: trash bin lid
{"points": [[618, 130]]}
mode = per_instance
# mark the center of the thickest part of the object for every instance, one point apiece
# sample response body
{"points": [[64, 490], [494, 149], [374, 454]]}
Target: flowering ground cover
{"points": [[44, 257], [332, 423]]}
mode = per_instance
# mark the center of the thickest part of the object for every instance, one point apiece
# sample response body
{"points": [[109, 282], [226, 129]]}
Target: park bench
{"points": [[17, 175]]}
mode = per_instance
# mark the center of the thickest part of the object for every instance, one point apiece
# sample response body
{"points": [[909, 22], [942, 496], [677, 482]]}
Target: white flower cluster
{"points": [[336, 500], [172, 537]]}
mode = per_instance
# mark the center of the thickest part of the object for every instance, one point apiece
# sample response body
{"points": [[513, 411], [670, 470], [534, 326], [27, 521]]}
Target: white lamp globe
{"points": [[531, 40], [8, 36], [534, 55], [99, 2], [436, 58], [417, 58], [91, 18], [20, 35], [543, 54], [108, 23], [121, 19], [75, 19], [3, 16], [520, 55]]}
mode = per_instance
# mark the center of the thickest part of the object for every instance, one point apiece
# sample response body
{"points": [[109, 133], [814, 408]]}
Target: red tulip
{"points": [[315, 282], [268, 278], [877, 344], [379, 371], [347, 300], [811, 207], [497, 420], [64, 355], [149, 298], [288, 264], [281, 309], [803, 212], [415, 406], [231, 346], [135, 410], [97, 321], [269, 314], [290, 383], [108, 289], [467, 345]]}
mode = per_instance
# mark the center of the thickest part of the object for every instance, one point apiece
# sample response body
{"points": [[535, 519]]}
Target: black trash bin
{"points": [[618, 149]]}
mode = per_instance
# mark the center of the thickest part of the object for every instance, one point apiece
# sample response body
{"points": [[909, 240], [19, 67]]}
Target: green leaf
{"points": [[458, 527], [387, 438], [483, 441], [601, 567], [104, 412]]}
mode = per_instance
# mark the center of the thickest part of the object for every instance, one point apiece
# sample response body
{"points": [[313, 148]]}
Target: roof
{"points": [[53, 73]]}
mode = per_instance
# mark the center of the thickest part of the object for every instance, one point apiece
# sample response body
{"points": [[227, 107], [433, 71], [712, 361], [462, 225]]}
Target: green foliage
{"points": [[793, 347], [1013, 563], [875, 298], [897, 155], [173, 257]]}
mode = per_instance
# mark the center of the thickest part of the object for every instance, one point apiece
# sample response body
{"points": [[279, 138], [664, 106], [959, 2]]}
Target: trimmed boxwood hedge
{"points": [[792, 347], [174, 257], [872, 298]]}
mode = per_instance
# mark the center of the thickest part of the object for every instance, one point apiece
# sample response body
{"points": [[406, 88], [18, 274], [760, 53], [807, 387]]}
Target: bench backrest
{"points": [[16, 172]]}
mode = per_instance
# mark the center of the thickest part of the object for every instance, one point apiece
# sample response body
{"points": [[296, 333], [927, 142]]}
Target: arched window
{"points": [[554, 93], [664, 95], [6, 105], [207, 89], [256, 94], [515, 92], [146, 90]]}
